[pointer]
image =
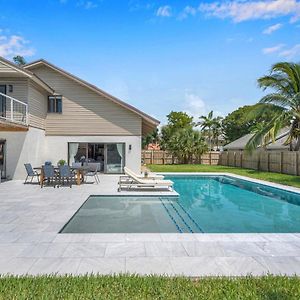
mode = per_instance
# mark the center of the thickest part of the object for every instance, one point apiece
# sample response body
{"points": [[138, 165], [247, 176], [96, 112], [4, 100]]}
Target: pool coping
{"points": [[253, 180]]}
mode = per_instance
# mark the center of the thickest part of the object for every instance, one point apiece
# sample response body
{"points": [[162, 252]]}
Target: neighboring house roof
{"points": [[27, 74], [153, 146], [241, 143], [149, 123]]}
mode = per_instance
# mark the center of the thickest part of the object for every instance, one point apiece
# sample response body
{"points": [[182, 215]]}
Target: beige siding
{"points": [[37, 106], [20, 87], [6, 69], [84, 111]]}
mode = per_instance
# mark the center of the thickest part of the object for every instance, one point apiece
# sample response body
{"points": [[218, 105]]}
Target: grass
{"points": [[151, 287], [290, 180]]}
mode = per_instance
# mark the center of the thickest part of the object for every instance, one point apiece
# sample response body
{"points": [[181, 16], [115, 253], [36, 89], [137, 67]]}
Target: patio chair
{"points": [[92, 172], [50, 175], [150, 175], [76, 164], [131, 181], [65, 173], [31, 173]]}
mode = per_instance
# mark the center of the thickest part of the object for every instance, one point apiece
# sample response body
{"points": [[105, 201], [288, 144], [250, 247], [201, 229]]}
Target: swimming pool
{"points": [[207, 204]]}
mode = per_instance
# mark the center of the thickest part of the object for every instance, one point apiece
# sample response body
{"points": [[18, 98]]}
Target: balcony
{"points": [[13, 114]]}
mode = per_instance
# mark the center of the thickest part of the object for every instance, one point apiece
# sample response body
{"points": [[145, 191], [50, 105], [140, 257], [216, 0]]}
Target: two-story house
{"points": [[48, 114]]}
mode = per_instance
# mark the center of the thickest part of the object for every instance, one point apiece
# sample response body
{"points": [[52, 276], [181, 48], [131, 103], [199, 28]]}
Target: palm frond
{"points": [[268, 132], [278, 99], [277, 82], [291, 71], [264, 108]]}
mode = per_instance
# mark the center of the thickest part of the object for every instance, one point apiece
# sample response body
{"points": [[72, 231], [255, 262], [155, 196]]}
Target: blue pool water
{"points": [[223, 204], [207, 204]]}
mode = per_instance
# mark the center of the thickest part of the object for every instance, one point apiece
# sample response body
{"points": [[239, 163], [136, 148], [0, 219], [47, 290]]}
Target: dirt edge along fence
{"points": [[286, 162], [161, 157]]}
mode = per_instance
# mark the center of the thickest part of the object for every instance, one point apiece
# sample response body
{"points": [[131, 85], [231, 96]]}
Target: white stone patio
{"points": [[30, 218]]}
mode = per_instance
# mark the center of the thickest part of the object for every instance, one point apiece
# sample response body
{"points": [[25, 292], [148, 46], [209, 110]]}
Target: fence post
{"points": [[210, 158], [297, 162], [268, 161], [163, 158], [152, 157], [227, 158], [241, 158], [234, 159], [281, 161]]}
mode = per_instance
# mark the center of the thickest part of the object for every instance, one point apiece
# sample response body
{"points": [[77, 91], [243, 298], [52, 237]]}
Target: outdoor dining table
{"points": [[79, 173]]}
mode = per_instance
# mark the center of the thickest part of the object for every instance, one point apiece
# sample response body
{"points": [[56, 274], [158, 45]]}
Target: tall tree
{"points": [[242, 121], [283, 101], [217, 131], [176, 121], [19, 60], [187, 144], [208, 123]]}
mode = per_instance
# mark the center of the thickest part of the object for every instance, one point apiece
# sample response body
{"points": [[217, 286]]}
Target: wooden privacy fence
{"points": [[286, 162], [161, 157]]}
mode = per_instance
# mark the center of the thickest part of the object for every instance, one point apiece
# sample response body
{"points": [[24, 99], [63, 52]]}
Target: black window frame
{"points": [[56, 99]]}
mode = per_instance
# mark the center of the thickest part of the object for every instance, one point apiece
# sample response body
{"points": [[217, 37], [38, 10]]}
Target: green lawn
{"points": [[134, 287], [268, 176]]}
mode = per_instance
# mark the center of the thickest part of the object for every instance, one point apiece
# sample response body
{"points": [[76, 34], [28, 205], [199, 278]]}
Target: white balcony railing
{"points": [[13, 110]]}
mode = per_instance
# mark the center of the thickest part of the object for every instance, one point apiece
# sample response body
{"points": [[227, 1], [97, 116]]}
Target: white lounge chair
{"points": [[150, 176], [131, 181]]}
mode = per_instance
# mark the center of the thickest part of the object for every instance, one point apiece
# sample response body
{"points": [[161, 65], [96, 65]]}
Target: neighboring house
{"points": [[48, 114], [153, 146], [240, 144]]}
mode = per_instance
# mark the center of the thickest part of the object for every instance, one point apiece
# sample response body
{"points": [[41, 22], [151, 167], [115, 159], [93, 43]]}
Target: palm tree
{"points": [[217, 130], [187, 144], [209, 123], [284, 102]]}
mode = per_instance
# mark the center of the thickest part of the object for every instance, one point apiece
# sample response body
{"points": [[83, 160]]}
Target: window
{"points": [[55, 104]]}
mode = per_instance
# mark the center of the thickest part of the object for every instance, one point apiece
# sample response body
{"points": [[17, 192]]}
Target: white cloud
{"points": [[14, 45], [87, 4], [274, 49], [187, 11], [272, 28], [164, 11], [291, 53], [282, 51], [243, 10], [194, 105]]}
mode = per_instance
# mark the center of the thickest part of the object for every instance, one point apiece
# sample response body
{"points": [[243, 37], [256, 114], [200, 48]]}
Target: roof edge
{"points": [[27, 73]]}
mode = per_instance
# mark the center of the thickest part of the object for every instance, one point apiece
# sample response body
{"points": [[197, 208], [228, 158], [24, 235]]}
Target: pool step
{"points": [[180, 217]]}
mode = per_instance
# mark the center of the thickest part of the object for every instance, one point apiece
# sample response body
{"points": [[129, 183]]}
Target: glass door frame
{"points": [[105, 156], [3, 172], [3, 102]]}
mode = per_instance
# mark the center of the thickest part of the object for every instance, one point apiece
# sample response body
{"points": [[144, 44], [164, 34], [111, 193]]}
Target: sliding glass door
{"points": [[111, 156], [115, 158]]}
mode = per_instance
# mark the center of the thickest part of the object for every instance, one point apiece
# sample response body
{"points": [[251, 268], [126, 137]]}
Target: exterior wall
{"points": [[57, 147], [30, 93], [21, 148], [34, 147], [85, 112], [20, 87], [37, 106]]}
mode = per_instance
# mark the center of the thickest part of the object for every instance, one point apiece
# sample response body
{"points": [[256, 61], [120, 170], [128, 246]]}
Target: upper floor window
{"points": [[55, 104]]}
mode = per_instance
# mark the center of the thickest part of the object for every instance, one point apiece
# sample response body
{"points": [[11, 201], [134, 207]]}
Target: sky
{"points": [[159, 56]]}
